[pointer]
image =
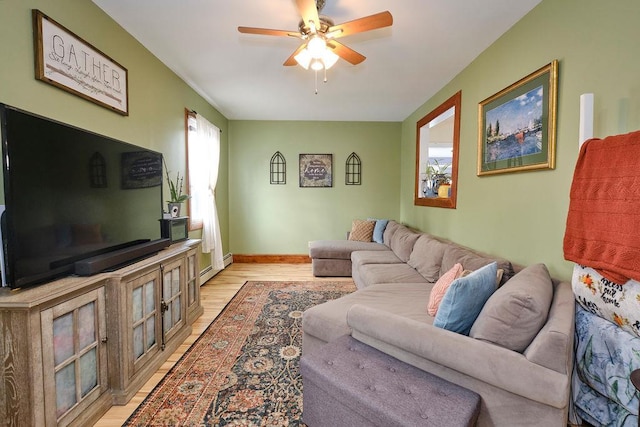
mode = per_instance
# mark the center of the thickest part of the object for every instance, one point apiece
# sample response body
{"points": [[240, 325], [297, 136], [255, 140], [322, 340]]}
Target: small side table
{"points": [[635, 380]]}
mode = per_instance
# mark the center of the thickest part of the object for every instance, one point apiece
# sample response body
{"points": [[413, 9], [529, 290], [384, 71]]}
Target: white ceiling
{"points": [[242, 75]]}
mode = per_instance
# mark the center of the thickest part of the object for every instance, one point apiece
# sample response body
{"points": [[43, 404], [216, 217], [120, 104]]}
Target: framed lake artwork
{"points": [[517, 126], [316, 170]]}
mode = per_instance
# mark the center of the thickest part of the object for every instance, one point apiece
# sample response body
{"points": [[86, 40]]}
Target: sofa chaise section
{"points": [[332, 258], [328, 321], [517, 389]]}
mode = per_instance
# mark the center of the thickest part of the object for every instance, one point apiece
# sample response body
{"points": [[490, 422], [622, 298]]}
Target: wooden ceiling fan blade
{"points": [[292, 59], [268, 32], [368, 23], [309, 12], [345, 52]]}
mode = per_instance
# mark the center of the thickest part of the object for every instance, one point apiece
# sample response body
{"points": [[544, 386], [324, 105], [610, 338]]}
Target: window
{"points": [[203, 162]]}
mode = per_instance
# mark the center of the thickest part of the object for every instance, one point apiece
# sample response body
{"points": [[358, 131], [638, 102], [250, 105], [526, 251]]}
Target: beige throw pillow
{"points": [[361, 230]]}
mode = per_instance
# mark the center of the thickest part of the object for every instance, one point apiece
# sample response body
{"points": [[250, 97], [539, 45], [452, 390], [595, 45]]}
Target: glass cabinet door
{"points": [[193, 285], [74, 355], [172, 298], [145, 318]]}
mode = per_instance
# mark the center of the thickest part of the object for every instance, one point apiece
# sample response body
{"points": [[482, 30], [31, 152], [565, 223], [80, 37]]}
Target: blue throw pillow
{"points": [[465, 298], [378, 230]]}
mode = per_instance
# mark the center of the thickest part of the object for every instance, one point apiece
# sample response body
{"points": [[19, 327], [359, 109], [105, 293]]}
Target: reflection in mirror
{"points": [[437, 144]]}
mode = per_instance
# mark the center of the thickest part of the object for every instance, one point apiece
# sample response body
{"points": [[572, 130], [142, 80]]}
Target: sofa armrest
{"points": [[479, 360]]}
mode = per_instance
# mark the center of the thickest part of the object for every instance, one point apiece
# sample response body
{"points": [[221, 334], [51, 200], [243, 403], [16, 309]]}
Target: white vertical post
{"points": [[586, 118]]}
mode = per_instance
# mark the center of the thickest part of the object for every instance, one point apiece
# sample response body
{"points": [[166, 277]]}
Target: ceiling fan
{"points": [[320, 49]]}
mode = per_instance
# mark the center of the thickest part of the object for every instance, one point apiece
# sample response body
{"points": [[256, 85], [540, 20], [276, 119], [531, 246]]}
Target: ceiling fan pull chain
{"points": [[325, 75], [316, 73]]}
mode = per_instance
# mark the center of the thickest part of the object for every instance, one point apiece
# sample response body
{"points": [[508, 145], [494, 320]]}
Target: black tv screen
{"points": [[72, 195]]}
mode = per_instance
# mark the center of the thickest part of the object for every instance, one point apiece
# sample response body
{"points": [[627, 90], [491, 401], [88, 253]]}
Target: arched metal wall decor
{"points": [[278, 169], [353, 168]]}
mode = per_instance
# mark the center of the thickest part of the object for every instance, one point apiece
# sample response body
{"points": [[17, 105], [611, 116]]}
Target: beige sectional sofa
{"points": [[518, 355]]}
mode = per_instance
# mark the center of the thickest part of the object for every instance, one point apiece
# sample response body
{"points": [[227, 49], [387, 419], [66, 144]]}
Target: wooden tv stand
{"points": [[72, 348]]}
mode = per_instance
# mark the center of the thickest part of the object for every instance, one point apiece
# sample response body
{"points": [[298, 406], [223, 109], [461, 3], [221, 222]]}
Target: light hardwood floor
{"points": [[214, 294]]}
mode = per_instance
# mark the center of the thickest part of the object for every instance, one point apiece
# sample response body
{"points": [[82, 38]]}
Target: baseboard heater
{"points": [[228, 260], [209, 272]]}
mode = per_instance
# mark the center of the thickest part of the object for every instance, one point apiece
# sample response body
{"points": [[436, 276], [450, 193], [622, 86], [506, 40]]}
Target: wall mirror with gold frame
{"points": [[437, 147]]}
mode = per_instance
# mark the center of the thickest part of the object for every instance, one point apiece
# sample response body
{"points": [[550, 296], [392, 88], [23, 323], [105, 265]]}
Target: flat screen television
{"points": [[75, 202]]}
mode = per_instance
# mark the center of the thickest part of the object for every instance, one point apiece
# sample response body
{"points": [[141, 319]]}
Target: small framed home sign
{"points": [[66, 61], [316, 170]]}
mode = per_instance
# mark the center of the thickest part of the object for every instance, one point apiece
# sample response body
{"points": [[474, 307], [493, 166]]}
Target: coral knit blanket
{"points": [[603, 223]]}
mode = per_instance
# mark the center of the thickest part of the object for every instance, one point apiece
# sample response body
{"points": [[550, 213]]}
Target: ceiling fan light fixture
{"points": [[303, 58], [317, 65], [316, 47], [329, 58], [319, 50]]}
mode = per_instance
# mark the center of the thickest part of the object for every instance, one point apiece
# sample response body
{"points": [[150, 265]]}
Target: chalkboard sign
{"points": [[141, 170]]}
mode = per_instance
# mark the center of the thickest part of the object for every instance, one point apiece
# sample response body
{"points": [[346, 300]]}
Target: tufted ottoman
{"points": [[348, 383]]}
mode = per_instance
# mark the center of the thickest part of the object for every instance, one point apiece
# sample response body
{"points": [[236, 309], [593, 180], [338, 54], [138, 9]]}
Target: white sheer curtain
{"points": [[204, 161]]}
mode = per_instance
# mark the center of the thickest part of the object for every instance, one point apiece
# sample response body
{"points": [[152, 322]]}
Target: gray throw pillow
{"points": [[514, 314]]}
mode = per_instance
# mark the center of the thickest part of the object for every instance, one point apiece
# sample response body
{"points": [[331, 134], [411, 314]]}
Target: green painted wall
{"points": [[282, 219], [157, 97], [522, 216]]}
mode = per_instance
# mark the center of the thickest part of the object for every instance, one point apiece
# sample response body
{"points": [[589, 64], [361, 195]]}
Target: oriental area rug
{"points": [[244, 368]]}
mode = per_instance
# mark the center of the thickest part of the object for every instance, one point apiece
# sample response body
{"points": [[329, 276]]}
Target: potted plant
{"points": [[177, 197], [436, 176]]}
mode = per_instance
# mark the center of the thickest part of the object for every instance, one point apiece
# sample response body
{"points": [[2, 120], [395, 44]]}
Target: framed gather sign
{"points": [[66, 61], [517, 126]]}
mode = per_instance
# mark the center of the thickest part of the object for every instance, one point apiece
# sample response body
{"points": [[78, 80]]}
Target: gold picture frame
{"points": [[64, 60], [517, 126]]}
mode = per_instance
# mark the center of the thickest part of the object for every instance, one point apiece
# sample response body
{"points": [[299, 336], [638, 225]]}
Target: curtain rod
{"points": [[194, 112]]}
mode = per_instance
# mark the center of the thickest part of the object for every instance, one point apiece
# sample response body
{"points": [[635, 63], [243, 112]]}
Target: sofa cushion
{"points": [[361, 230], [371, 274], [402, 242], [341, 249], [360, 258], [472, 260], [328, 321], [389, 231], [426, 257], [440, 288], [554, 341], [465, 298], [514, 314]]}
